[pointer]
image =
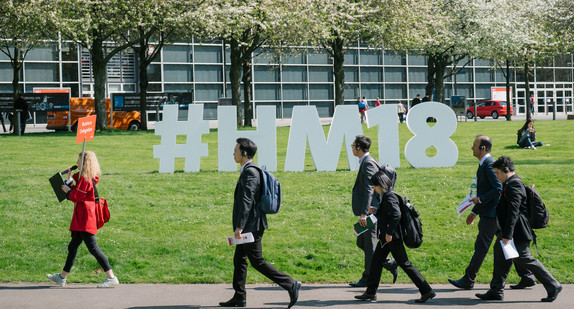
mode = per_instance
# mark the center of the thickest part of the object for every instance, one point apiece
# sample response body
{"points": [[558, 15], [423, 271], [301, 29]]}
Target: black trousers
{"points": [[90, 241], [254, 252], [368, 242], [524, 260], [397, 248], [486, 230]]}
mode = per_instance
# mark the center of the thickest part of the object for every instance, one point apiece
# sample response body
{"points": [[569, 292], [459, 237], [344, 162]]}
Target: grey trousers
{"points": [[525, 260], [368, 243]]}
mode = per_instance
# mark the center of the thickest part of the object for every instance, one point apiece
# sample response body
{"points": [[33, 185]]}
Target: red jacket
{"points": [[82, 194]]}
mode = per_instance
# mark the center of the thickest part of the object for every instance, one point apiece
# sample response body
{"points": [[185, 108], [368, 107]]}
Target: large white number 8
{"points": [[427, 136]]}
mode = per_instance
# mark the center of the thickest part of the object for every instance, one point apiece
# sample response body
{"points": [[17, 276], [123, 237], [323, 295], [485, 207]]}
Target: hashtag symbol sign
{"points": [[169, 128]]}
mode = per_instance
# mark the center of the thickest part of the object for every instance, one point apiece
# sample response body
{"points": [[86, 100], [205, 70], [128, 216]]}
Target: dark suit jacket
{"points": [[511, 211], [246, 214], [363, 193], [389, 216], [488, 189]]}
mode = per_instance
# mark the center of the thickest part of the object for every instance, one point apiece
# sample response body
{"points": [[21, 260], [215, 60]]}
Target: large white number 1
{"points": [[427, 136], [385, 116]]}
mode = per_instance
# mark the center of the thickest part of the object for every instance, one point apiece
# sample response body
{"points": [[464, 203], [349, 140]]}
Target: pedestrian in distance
{"points": [[488, 192], [247, 218], [83, 227], [416, 100], [363, 107], [401, 111], [363, 197], [390, 241], [22, 106], [514, 226]]}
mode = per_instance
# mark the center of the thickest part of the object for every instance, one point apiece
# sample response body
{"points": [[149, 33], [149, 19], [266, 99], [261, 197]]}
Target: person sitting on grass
{"points": [[527, 136]]}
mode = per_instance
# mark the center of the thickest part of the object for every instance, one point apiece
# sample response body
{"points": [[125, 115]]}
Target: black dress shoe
{"points": [[392, 266], [490, 296], [552, 297], [462, 283], [367, 296], [294, 293], [426, 296], [234, 302], [524, 283], [358, 284]]}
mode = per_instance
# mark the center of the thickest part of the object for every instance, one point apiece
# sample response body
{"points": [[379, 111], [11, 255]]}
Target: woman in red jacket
{"points": [[83, 226]]}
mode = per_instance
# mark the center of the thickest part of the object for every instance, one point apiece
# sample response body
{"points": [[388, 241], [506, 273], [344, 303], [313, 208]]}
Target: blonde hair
{"points": [[91, 167]]}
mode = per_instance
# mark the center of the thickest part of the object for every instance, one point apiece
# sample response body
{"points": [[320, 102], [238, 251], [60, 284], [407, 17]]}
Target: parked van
{"points": [[82, 107]]}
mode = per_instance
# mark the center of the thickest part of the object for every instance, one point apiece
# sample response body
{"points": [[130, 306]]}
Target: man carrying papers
{"points": [[488, 192], [247, 218], [514, 226]]}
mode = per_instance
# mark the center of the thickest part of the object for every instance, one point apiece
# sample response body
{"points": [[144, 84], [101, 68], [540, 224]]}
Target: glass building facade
{"points": [[305, 78]]}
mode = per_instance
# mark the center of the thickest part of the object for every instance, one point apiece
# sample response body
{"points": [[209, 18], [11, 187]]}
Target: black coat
{"points": [[389, 216], [363, 193], [488, 189], [246, 214], [511, 211]]}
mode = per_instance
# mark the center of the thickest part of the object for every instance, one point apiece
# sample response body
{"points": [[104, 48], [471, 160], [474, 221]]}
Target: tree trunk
{"points": [[247, 95], [439, 83], [16, 65], [235, 78], [99, 67], [338, 70], [527, 92], [508, 102], [143, 82], [431, 73]]}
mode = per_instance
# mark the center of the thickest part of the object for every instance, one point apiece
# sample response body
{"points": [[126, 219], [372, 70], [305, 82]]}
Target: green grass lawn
{"points": [[171, 228]]}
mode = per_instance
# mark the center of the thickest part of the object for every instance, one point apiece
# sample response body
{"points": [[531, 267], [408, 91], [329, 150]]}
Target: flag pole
{"points": [[82, 160]]}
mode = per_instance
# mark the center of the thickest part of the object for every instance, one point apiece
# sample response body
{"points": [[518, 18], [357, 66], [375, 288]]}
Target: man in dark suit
{"points": [[248, 218], [488, 193], [21, 105], [513, 225], [363, 197], [416, 100]]}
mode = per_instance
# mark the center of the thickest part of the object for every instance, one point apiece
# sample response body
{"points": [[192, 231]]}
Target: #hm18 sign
{"points": [[306, 129]]}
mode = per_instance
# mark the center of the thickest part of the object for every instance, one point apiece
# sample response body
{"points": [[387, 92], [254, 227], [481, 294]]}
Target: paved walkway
{"points": [[167, 296]]}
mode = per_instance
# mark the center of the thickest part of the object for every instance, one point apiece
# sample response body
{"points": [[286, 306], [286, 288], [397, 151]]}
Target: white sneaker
{"points": [[57, 279], [109, 283], [533, 148]]}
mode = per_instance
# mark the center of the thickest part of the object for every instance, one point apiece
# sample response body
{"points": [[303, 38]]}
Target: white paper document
{"points": [[245, 238], [464, 205], [509, 250]]}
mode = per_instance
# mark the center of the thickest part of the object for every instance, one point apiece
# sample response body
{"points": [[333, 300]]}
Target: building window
{"points": [[41, 72]]}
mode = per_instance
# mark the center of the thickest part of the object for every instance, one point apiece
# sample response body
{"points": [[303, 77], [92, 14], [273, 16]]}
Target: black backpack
{"points": [[390, 172], [538, 215], [411, 225]]}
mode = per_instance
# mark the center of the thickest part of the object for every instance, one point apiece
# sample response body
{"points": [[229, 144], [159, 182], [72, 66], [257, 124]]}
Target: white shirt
{"points": [[363, 158], [484, 158], [243, 166]]}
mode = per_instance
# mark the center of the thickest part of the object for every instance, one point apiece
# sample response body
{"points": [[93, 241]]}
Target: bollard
{"points": [[475, 115], [554, 110]]}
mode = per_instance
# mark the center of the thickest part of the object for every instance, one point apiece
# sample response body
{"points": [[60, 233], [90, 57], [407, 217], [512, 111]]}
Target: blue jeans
{"points": [[529, 143]]}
